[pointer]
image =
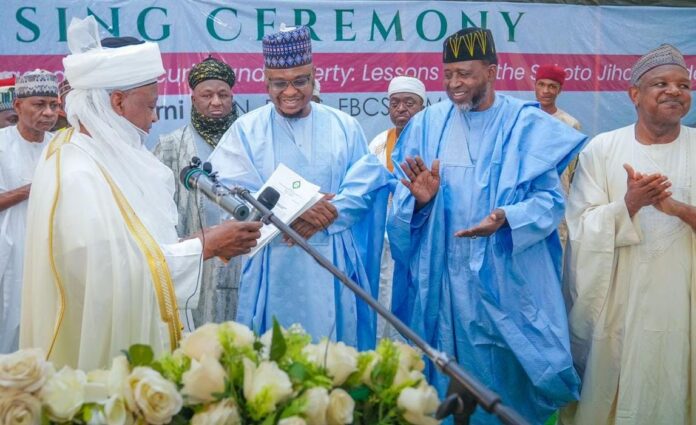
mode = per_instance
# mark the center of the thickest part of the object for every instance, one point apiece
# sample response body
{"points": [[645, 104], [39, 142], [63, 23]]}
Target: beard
{"points": [[478, 97]]}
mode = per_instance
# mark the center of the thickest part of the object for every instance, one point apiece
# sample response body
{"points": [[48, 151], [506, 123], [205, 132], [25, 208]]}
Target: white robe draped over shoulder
{"points": [[101, 275]]}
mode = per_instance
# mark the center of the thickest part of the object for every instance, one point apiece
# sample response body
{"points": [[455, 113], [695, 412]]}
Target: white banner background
{"points": [[360, 45]]}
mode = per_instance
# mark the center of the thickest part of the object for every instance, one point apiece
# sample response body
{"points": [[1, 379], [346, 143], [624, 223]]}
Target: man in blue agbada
{"points": [[328, 148], [474, 237]]}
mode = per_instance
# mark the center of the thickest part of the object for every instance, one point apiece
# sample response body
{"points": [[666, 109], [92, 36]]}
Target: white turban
{"points": [[90, 66], [405, 84]]}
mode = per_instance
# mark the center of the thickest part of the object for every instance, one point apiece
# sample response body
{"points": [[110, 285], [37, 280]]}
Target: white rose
{"points": [[374, 358], [266, 340], [317, 403], [267, 381], [149, 394], [202, 380], [116, 413], [120, 369], [243, 336], [339, 359], [203, 340], [403, 376], [19, 407], [64, 394], [409, 357], [419, 404], [341, 406], [97, 386], [292, 420], [222, 413], [25, 370]]}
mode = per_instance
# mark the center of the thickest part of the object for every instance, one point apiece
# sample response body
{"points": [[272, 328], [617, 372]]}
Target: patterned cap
{"points": [[37, 83], [211, 69], [666, 54], [469, 44], [289, 48], [64, 88], [7, 93]]}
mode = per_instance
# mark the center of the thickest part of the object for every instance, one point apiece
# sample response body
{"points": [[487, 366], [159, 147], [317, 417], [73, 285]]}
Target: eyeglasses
{"points": [[299, 83]]}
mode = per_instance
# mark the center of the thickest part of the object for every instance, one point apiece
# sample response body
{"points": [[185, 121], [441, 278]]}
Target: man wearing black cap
{"points": [[212, 113], [479, 227], [631, 218]]}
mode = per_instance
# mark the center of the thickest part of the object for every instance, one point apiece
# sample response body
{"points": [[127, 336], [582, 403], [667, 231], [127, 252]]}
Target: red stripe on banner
{"points": [[371, 72]]}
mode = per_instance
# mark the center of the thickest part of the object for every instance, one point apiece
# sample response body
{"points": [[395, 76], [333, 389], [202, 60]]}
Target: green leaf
{"points": [[140, 355], [278, 346], [87, 412], [270, 420], [360, 393], [179, 420], [298, 372]]}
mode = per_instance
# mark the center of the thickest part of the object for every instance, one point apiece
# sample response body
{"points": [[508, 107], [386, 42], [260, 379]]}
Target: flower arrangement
{"points": [[225, 374]]}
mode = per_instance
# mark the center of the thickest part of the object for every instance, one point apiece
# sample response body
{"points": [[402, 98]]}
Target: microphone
{"points": [[193, 177], [268, 198]]}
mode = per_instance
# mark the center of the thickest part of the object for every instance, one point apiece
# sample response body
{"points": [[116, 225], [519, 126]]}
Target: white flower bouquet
{"points": [[225, 374]]}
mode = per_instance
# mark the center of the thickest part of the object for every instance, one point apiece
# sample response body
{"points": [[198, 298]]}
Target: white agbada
{"points": [[378, 147], [18, 158], [107, 269], [630, 285]]}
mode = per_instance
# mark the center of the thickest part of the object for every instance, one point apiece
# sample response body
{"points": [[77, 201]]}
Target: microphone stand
{"points": [[465, 391]]}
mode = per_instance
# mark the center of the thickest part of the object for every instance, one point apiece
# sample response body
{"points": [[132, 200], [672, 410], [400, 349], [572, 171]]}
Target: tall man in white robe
{"points": [[328, 148], [631, 278], [104, 266], [20, 147], [407, 97], [212, 113]]}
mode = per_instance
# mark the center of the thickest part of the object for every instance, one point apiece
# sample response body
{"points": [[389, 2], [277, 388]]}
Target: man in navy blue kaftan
{"points": [[474, 237]]}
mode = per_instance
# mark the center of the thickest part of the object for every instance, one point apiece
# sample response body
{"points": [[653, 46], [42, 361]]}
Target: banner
{"points": [[359, 46]]}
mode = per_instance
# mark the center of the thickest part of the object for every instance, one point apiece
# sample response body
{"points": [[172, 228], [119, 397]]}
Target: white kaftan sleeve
{"points": [[598, 223], [185, 261]]}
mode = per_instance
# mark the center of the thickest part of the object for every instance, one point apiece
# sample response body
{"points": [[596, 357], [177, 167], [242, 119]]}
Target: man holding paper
{"points": [[328, 149]]}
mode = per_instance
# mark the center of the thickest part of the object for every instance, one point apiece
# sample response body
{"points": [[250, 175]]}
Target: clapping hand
{"points": [[644, 189]]}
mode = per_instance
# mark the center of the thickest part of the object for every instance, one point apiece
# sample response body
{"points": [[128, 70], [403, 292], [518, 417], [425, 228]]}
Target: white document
{"points": [[297, 195]]}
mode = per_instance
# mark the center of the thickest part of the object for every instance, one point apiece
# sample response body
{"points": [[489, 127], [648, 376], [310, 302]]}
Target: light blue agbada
{"points": [[494, 303], [286, 282]]}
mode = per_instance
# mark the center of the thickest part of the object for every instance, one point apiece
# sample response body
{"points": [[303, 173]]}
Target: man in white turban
{"points": [[104, 266], [406, 98]]}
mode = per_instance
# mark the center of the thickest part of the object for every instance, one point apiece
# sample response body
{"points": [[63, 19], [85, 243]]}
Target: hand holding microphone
{"points": [[231, 238]]}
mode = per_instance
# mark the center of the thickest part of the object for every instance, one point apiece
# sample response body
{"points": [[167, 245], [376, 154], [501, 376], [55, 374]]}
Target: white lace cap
{"points": [[90, 66]]}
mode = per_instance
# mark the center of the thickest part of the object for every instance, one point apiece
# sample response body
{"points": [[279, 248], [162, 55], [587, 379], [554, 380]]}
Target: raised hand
{"points": [[422, 182], [644, 189], [489, 225]]}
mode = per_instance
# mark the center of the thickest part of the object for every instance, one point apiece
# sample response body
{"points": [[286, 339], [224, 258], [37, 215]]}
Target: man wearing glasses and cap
{"points": [[328, 148]]}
